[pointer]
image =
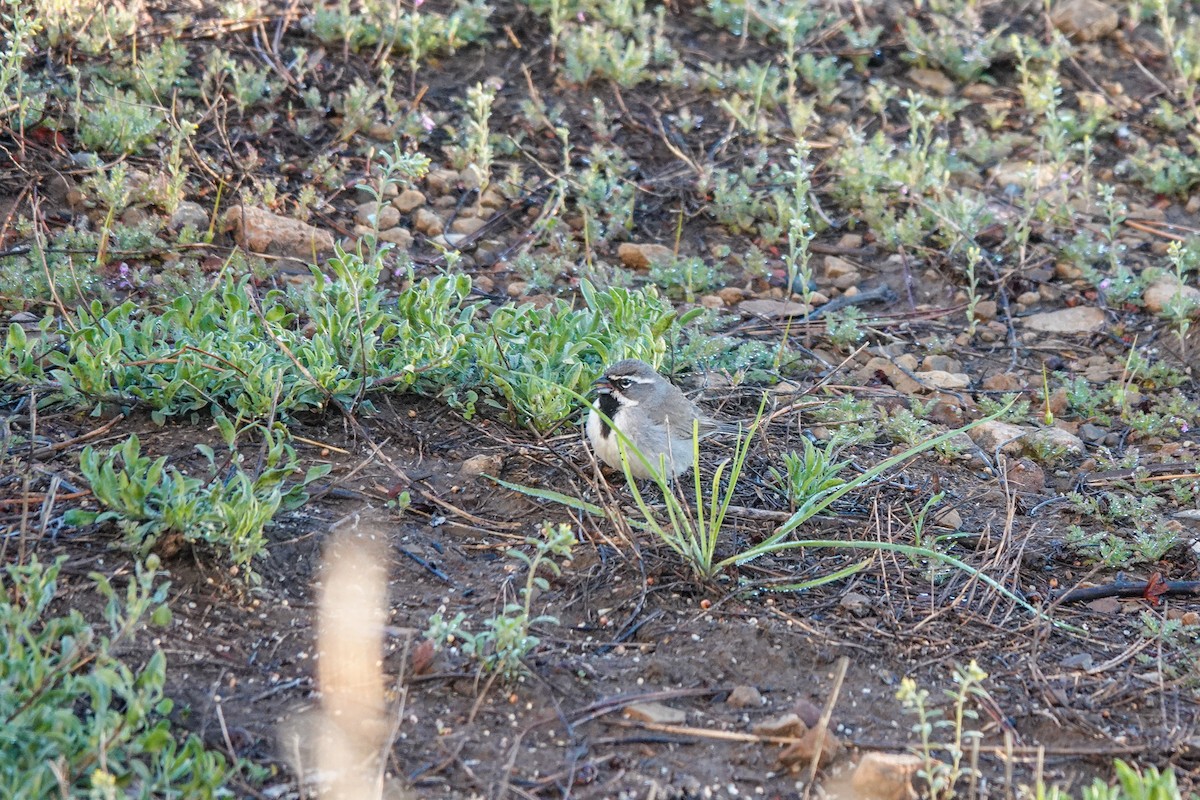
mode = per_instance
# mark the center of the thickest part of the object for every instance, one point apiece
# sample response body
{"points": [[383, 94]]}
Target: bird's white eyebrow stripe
{"points": [[635, 379]]}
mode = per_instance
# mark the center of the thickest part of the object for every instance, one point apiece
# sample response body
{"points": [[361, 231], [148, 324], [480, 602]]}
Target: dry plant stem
{"points": [[823, 723]]}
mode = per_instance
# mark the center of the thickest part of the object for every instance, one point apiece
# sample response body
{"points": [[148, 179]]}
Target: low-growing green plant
{"points": [[117, 121], [952, 37], [808, 473], [227, 511], [80, 720], [941, 776], [843, 327], [506, 640], [621, 50], [536, 363], [686, 277]]}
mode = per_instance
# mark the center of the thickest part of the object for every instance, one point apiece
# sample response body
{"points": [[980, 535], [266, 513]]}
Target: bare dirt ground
{"points": [[634, 625]]}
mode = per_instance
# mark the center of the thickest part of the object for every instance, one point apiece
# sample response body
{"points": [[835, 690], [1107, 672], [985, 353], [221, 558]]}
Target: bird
{"points": [[652, 413]]}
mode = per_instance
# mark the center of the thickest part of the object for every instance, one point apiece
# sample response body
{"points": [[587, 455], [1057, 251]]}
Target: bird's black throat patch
{"points": [[608, 406]]}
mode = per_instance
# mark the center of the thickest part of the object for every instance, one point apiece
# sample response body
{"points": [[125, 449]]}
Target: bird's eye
{"points": [[621, 383]]}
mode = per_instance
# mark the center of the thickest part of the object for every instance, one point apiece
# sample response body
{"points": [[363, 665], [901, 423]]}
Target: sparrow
{"points": [[655, 416]]}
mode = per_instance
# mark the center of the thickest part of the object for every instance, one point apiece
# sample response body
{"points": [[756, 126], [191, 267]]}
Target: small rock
{"points": [[945, 380], [942, 363], [260, 231], [744, 697], [1163, 292], [1025, 175], [1055, 439], [801, 753], [985, 310], [656, 713], [1085, 20], [484, 283], [1028, 298], [471, 177], [378, 215], [773, 309], [948, 518], [1105, 605], [482, 465], [1067, 271], [517, 288], [401, 237], [467, 225], [408, 201], [712, 301], [731, 295], [492, 199], [885, 776], [786, 725], [931, 79], [1025, 476], [1081, 319], [847, 283], [451, 239], [837, 267], [428, 222], [879, 366], [1002, 382], [1077, 661], [441, 181], [189, 213], [1092, 433], [857, 604], [997, 434], [643, 256], [808, 711]]}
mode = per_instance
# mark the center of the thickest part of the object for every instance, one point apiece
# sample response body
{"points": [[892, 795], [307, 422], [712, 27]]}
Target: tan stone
{"points": [[408, 201], [1081, 319], [428, 223], [643, 256], [885, 776], [1085, 20], [260, 231], [1163, 292]]}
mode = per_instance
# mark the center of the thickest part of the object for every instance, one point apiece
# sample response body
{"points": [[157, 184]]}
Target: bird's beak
{"points": [[602, 384]]}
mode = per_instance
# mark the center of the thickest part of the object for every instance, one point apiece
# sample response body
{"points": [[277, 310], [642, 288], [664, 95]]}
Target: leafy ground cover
{"points": [[270, 270]]}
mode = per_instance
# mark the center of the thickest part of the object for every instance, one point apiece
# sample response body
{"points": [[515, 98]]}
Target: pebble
{"points": [[931, 79], [643, 256], [744, 697], [885, 776], [379, 215], [1162, 293], [467, 225], [401, 237], [189, 213], [408, 201], [441, 181], [938, 362], [731, 295], [1084, 20], [471, 177], [1081, 319], [428, 222], [1002, 382]]}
